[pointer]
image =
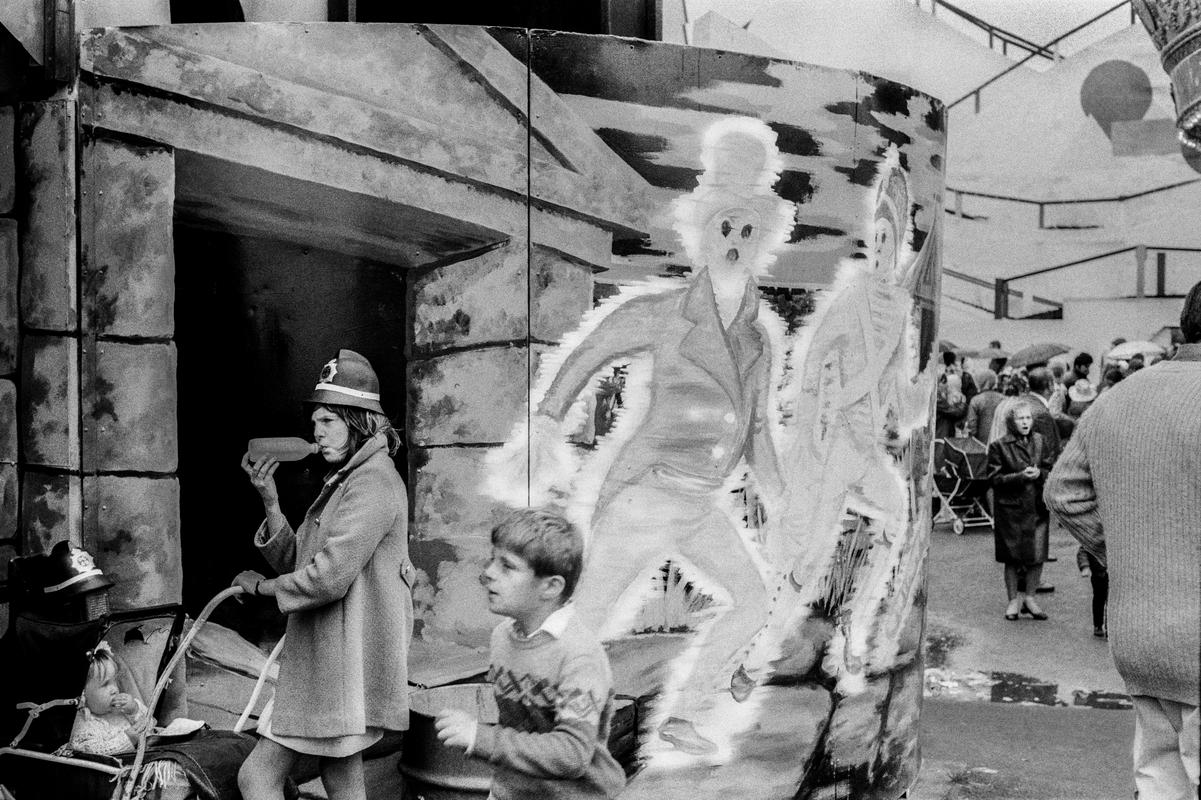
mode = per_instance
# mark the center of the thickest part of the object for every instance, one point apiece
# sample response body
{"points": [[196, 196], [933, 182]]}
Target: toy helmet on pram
{"points": [[64, 584]]}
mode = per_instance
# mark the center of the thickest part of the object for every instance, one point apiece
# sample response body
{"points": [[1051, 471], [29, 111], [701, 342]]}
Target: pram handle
{"points": [[165, 677]]}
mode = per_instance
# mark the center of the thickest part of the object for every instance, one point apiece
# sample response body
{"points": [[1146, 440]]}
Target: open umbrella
{"points": [[1037, 354], [1126, 350], [985, 353]]}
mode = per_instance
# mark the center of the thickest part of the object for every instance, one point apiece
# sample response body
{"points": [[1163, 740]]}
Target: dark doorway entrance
{"points": [[256, 318]]}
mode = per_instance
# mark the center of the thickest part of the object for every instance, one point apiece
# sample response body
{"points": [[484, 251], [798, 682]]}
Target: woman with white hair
{"points": [[1018, 465]]}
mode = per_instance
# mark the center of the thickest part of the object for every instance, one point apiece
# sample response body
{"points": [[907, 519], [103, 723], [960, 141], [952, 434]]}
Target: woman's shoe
{"points": [[1011, 611], [1040, 614], [1011, 617], [1100, 633]]}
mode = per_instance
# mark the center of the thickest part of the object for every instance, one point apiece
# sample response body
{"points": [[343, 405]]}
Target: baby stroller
{"points": [[43, 650], [960, 482]]}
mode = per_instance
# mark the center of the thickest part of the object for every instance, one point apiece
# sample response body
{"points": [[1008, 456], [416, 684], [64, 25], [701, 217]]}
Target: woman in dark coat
{"points": [[1018, 465]]}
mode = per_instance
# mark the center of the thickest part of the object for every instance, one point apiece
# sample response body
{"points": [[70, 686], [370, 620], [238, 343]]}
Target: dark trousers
{"points": [[1100, 581]]}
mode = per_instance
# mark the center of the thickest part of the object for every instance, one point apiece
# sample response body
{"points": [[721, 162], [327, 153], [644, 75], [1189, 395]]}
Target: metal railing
{"points": [[1051, 45], [1052, 309], [995, 32], [1042, 205], [1003, 291]]}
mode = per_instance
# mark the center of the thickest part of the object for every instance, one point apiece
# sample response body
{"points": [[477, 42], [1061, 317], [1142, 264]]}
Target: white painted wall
{"points": [[1087, 324]]}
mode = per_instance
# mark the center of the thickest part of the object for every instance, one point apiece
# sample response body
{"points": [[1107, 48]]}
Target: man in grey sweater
{"points": [[1128, 487]]}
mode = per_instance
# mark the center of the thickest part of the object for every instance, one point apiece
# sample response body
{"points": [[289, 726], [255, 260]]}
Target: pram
{"points": [[960, 482], [47, 675]]}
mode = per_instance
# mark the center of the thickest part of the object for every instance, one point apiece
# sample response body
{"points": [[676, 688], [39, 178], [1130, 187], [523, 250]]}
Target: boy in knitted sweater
{"points": [[550, 676]]}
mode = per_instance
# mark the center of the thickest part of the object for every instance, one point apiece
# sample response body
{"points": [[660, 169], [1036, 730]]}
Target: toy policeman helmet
{"points": [[70, 571], [347, 380]]}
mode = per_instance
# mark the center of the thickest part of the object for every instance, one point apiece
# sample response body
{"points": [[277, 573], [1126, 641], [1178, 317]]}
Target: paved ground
{"points": [[1070, 738], [967, 632], [1025, 710]]}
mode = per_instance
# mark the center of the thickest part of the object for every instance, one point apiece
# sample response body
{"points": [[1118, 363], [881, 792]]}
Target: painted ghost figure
{"points": [[856, 398], [663, 498]]}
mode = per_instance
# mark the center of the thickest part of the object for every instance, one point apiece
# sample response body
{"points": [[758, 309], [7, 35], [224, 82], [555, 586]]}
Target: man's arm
{"points": [[1070, 495]]}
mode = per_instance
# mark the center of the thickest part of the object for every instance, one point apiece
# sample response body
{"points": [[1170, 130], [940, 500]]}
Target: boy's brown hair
{"points": [[547, 541]]}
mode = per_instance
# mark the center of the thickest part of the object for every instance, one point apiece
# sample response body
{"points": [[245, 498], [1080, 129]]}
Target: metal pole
{"points": [[1000, 299], [1140, 270], [1161, 273]]}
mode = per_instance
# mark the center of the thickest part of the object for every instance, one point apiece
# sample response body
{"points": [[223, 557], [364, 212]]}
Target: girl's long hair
{"points": [[363, 425]]}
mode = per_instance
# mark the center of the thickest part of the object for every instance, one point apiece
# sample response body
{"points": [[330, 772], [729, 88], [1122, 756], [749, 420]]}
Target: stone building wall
{"points": [[10, 542]]}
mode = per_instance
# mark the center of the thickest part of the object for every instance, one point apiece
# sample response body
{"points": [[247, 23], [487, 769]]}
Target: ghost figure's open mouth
{"points": [[732, 255]]}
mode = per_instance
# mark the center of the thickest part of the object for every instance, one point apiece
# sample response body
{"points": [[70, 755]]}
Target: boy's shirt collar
{"points": [[554, 625]]}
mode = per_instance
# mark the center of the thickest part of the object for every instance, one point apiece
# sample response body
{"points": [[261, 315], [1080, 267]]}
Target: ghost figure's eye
{"points": [[746, 231], [726, 227]]}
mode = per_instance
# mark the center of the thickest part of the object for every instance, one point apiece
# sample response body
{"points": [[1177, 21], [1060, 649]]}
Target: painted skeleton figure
{"points": [[856, 397]]}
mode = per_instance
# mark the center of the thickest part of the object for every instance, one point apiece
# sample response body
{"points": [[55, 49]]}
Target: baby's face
{"points": [[98, 695]]}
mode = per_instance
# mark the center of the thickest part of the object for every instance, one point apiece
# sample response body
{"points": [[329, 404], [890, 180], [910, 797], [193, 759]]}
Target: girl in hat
{"points": [[344, 582]]}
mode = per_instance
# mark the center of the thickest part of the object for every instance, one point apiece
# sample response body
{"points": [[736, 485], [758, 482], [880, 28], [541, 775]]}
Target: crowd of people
{"points": [[1025, 415], [1116, 466]]}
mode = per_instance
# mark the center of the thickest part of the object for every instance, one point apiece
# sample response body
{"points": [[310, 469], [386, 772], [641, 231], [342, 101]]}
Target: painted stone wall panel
{"points": [[795, 224], [8, 161], [51, 505], [450, 543], [467, 397], [48, 402], [130, 408], [46, 165], [8, 422], [10, 492], [478, 301], [446, 504], [9, 271], [760, 214], [898, 760], [7, 554], [136, 542], [127, 224], [561, 291]]}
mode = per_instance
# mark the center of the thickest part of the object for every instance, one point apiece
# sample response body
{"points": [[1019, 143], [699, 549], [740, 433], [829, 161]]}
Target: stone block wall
{"points": [[46, 344], [88, 438], [479, 327], [468, 373], [129, 435]]}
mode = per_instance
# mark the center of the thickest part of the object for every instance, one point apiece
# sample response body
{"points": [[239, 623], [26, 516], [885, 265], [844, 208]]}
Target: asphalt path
{"points": [[967, 632], [1023, 709]]}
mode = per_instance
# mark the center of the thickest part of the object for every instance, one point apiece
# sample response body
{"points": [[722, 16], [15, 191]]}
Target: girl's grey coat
{"points": [[344, 583]]}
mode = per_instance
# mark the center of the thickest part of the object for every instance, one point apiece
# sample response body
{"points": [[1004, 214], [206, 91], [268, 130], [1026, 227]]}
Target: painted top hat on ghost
{"points": [[347, 380]]}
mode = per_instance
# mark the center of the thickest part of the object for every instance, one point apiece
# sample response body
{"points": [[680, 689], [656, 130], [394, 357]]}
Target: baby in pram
{"points": [[109, 720]]}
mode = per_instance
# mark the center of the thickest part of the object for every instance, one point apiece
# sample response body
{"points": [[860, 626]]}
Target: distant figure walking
{"points": [[983, 406], [1128, 487]]}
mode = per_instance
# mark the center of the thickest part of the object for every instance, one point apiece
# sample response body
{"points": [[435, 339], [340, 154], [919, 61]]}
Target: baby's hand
{"points": [[124, 703], [456, 728]]}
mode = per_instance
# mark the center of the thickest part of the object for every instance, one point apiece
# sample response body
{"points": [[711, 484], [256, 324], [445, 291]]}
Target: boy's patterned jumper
{"points": [[554, 693]]}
